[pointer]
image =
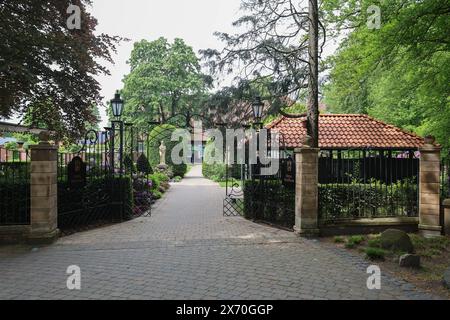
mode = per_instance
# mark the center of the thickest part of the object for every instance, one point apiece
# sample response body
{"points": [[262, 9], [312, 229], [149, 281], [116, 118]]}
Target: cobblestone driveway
{"points": [[188, 250]]}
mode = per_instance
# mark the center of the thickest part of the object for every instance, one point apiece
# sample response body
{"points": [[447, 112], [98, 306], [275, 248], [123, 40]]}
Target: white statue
{"points": [[162, 154]]}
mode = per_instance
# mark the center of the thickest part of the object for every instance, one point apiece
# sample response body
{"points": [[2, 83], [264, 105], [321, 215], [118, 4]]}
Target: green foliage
{"points": [[338, 239], [143, 165], [117, 189], [59, 84], [350, 201], [429, 247], [180, 169], [399, 73], [215, 172], [11, 146], [350, 245], [160, 184], [177, 179], [164, 133], [374, 242], [272, 203], [356, 239], [157, 194], [165, 79], [375, 253]]}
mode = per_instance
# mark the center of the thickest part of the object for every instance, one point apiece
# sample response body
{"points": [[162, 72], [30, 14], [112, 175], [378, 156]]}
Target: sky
{"points": [[195, 21]]}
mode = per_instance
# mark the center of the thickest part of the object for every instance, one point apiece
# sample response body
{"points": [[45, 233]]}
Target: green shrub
{"points": [[272, 203], [350, 245], [338, 239], [177, 179], [215, 172], [179, 169], [355, 200], [161, 177], [356, 239], [143, 165], [157, 194], [374, 242], [375, 253], [102, 199]]}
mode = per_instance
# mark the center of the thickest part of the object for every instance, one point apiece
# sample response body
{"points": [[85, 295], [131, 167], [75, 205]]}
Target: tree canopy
{"points": [[399, 73], [277, 47], [165, 79], [47, 71]]}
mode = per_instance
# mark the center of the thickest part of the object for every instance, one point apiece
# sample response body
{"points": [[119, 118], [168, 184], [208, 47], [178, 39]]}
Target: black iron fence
{"points": [[93, 187], [14, 187], [368, 183], [271, 198]]}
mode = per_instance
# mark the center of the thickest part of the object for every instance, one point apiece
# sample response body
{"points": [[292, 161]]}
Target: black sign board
{"points": [[76, 173], [288, 172]]}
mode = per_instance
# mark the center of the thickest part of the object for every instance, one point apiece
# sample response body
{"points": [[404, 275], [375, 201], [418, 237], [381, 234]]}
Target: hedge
{"points": [[269, 201], [352, 201], [15, 202], [103, 199], [272, 202]]}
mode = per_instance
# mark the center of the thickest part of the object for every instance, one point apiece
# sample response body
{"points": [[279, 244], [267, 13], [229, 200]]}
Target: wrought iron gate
{"points": [[268, 198]]}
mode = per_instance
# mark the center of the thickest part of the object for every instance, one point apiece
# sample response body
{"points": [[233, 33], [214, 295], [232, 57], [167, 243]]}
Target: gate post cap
{"points": [[429, 139], [446, 203]]}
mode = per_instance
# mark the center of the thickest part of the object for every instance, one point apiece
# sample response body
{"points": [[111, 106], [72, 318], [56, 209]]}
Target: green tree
{"points": [[278, 42], [399, 73], [165, 79], [47, 71]]}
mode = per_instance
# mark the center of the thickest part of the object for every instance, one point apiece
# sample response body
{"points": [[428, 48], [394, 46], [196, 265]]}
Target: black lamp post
{"points": [[117, 106], [258, 107]]}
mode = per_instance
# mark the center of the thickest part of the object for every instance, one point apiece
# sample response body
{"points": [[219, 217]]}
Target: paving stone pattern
{"points": [[188, 250]]}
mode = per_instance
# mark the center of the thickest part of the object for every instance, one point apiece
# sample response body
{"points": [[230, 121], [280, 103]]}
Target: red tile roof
{"points": [[347, 131]]}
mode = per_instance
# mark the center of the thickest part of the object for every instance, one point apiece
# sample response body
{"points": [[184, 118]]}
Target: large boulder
{"points": [[396, 240]]}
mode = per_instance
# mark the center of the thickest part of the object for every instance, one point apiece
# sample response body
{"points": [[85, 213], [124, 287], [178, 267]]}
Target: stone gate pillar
{"points": [[44, 207], [429, 189], [306, 191]]}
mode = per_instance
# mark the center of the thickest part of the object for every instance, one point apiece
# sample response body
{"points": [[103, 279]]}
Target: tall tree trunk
{"points": [[174, 105], [313, 83], [161, 113]]}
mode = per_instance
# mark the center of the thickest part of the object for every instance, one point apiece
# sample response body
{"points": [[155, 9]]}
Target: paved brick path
{"points": [[188, 250]]}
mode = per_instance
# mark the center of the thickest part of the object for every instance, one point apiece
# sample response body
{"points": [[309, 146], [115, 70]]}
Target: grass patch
{"points": [[375, 253], [419, 242], [374, 242], [356, 239], [338, 239]]}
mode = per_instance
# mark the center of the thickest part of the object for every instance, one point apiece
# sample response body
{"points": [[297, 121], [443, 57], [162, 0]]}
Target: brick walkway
{"points": [[188, 250]]}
